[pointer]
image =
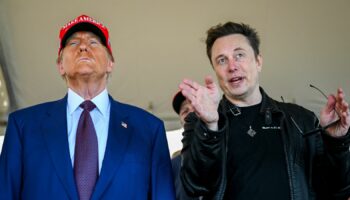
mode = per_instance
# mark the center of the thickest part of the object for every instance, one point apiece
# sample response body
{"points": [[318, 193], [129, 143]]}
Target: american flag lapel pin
{"points": [[125, 125]]}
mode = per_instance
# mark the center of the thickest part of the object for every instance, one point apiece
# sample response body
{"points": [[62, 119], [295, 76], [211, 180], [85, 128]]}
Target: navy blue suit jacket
{"points": [[35, 161]]}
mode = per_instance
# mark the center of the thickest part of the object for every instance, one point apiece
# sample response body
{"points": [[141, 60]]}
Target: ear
{"points": [[110, 66], [259, 62], [59, 64], [60, 67]]}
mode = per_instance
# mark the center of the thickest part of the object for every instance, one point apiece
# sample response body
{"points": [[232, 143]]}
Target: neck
{"points": [[248, 99], [87, 90]]}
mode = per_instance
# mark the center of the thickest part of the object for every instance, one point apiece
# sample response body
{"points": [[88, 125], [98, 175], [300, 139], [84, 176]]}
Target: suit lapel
{"points": [[55, 134], [119, 134]]}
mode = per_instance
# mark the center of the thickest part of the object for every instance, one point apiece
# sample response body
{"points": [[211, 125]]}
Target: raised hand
{"points": [[336, 108], [204, 99]]}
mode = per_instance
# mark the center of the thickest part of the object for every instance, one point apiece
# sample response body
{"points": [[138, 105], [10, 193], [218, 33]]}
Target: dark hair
{"points": [[229, 28]]}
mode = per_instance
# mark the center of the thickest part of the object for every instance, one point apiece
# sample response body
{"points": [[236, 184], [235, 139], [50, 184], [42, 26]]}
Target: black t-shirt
{"points": [[256, 164]]}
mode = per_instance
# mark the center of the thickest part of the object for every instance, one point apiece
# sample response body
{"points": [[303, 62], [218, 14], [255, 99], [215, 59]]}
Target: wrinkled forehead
{"points": [[230, 43]]}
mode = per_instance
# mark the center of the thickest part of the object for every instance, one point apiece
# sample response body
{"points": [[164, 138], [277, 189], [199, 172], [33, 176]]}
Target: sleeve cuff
{"points": [[337, 144], [208, 134]]}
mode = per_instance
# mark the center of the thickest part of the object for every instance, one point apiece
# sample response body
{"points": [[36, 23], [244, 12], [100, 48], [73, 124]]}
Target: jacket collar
{"points": [[267, 104], [119, 135], [268, 107], [54, 130]]}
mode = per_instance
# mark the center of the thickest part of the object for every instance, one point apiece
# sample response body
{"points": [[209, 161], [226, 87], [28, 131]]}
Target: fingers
{"points": [[336, 108], [336, 102], [189, 85], [341, 104], [340, 96], [209, 81], [204, 99], [189, 95], [186, 87], [342, 108], [330, 106], [341, 92], [191, 90]]}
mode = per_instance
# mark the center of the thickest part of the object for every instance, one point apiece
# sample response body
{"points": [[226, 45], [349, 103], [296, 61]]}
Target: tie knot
{"points": [[88, 105]]}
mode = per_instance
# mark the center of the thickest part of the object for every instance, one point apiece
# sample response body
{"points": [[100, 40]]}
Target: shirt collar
{"points": [[101, 101]]}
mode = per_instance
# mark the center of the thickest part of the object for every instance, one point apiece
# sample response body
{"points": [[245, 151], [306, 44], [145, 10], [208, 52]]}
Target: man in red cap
{"points": [[86, 145]]}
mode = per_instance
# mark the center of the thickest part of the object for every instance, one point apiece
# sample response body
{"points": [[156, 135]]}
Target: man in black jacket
{"points": [[248, 146]]}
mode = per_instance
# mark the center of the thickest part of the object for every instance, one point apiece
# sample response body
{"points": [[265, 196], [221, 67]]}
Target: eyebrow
{"points": [[234, 50], [219, 56], [239, 49]]}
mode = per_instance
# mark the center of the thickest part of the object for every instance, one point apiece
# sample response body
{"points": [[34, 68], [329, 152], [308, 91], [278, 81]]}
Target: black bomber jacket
{"points": [[318, 165]]}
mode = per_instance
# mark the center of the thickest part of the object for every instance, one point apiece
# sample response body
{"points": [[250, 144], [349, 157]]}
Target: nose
{"points": [[232, 65], [83, 46]]}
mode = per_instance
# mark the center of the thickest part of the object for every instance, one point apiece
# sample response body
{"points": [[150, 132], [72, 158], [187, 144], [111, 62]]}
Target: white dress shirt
{"points": [[100, 118]]}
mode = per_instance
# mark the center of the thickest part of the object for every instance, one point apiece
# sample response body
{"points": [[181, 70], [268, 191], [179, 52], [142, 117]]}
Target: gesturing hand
{"points": [[204, 99], [336, 105]]}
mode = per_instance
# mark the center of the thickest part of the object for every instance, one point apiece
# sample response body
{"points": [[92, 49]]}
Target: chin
{"points": [[237, 89], [237, 92]]}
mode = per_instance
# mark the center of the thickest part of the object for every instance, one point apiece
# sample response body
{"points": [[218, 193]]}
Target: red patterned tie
{"points": [[86, 153]]}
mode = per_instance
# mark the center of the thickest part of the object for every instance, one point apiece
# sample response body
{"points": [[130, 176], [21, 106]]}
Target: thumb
{"points": [[209, 82], [329, 107]]}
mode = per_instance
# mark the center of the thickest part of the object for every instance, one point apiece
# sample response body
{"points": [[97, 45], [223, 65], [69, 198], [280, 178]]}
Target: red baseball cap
{"points": [[177, 101], [84, 23]]}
